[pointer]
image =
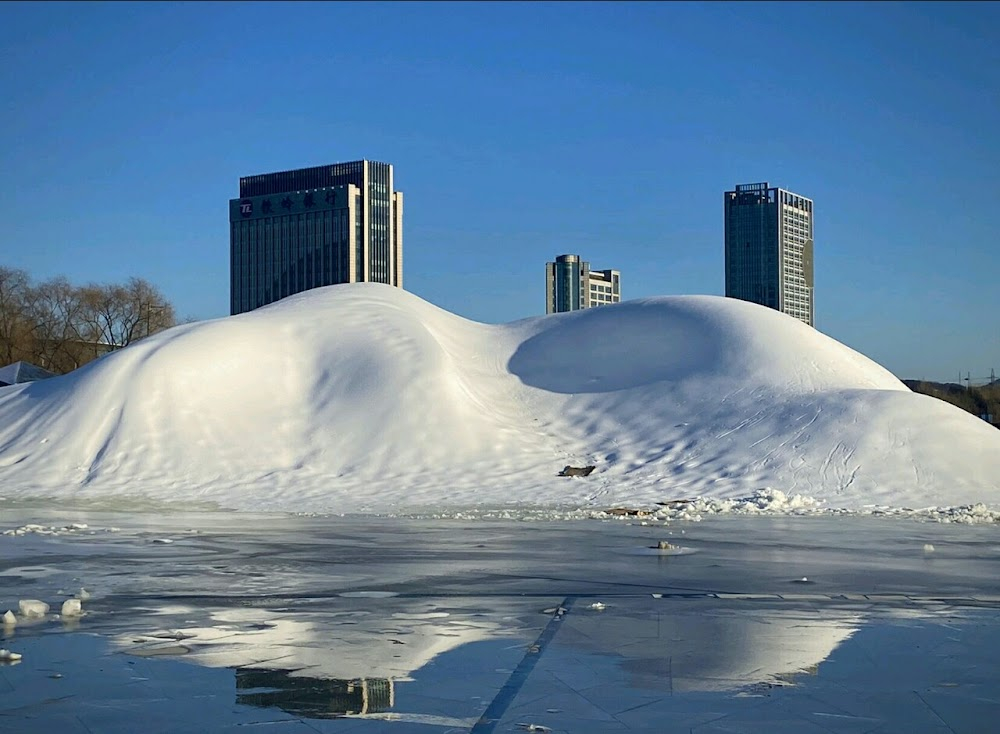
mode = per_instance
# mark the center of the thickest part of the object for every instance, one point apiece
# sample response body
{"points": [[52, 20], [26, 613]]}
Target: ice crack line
{"points": [[506, 695]]}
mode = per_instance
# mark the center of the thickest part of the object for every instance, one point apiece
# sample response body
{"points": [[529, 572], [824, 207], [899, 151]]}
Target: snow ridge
{"points": [[365, 398]]}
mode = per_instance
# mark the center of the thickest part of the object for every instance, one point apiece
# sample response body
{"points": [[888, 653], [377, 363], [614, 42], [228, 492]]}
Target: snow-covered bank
{"points": [[762, 502], [365, 398]]}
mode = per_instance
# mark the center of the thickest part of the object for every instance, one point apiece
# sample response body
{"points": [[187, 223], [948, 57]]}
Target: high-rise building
{"points": [[769, 249], [295, 230], [570, 285]]}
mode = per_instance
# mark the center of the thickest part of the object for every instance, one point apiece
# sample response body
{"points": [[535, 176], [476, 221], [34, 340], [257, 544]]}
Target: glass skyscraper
{"points": [[570, 285], [295, 230], [769, 249]]}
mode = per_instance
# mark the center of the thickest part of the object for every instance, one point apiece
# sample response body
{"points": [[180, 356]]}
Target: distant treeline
{"points": [[60, 326], [981, 400]]}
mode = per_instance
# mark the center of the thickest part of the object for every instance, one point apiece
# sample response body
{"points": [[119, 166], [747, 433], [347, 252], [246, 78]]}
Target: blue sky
{"points": [[520, 131]]}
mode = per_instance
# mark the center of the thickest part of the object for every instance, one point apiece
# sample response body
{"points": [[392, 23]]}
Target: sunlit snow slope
{"points": [[366, 398]]}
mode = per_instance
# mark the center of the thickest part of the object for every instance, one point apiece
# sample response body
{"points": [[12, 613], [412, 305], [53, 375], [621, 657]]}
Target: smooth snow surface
{"points": [[365, 398]]}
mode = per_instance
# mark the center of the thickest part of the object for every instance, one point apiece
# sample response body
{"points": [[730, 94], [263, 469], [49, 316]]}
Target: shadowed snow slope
{"points": [[366, 398]]}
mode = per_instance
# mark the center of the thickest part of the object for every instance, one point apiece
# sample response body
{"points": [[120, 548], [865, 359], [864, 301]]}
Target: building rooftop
{"points": [[18, 372]]}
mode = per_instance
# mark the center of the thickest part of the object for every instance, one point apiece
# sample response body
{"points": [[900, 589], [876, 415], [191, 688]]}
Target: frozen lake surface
{"points": [[224, 622]]}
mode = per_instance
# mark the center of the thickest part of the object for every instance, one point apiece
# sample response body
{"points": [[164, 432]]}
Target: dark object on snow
{"points": [[671, 503], [576, 471], [627, 511]]}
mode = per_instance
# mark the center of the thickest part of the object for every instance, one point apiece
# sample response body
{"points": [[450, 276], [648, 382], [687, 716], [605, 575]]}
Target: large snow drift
{"points": [[364, 397]]}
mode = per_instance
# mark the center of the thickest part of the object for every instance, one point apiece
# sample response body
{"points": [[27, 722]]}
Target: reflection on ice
{"points": [[311, 697], [390, 621], [720, 651], [337, 646], [331, 662]]}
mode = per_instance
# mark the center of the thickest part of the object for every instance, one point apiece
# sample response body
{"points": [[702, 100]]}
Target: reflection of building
{"points": [[570, 285], [296, 230], [769, 249], [313, 697]]}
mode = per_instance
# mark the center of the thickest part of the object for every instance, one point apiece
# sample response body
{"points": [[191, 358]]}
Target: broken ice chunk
{"points": [[8, 656], [83, 595], [9, 619], [71, 608], [32, 608], [928, 548]]}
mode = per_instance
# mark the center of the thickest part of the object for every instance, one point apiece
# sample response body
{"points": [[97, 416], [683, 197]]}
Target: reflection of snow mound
{"points": [[744, 649], [361, 648], [718, 652], [365, 397]]}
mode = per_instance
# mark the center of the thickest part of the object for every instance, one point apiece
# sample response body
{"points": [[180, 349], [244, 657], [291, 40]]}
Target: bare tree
{"points": [[61, 327], [118, 315], [147, 311], [102, 308], [15, 329], [57, 314]]}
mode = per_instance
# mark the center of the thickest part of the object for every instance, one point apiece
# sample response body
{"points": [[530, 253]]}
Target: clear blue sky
{"points": [[520, 131]]}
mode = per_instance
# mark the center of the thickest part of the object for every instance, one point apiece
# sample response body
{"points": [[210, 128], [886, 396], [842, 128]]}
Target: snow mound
{"points": [[365, 398]]}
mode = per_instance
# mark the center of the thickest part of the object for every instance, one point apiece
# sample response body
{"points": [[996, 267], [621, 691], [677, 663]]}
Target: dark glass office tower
{"points": [[769, 249], [295, 230]]}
